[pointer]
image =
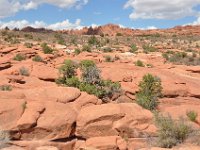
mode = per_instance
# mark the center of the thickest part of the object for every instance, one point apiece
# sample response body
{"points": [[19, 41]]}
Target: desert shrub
{"points": [[91, 75], [28, 45], [72, 82], [19, 57], [28, 36], [165, 56], [149, 65], [46, 49], [6, 88], [192, 115], [4, 139], [108, 58], [90, 82], [149, 90], [119, 34], [107, 49], [77, 51], [171, 132], [86, 48], [60, 39], [93, 40], [37, 58], [87, 63], [68, 69], [139, 63], [148, 48], [24, 71], [133, 48], [182, 58]]}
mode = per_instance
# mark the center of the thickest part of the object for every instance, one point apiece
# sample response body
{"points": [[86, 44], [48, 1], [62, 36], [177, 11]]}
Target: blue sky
{"points": [[68, 14]]}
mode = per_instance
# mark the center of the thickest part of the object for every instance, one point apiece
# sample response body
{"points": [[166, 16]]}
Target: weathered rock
{"points": [[58, 94], [113, 119], [107, 143]]}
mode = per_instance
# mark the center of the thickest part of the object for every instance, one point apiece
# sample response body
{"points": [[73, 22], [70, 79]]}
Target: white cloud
{"points": [[66, 24], [147, 28], [196, 22], [10, 7], [165, 9]]}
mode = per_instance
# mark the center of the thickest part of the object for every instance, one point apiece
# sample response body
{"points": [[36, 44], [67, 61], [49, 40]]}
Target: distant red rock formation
{"points": [[31, 29]]}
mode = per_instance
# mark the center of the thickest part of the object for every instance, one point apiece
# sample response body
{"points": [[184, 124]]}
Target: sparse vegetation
{"points": [[77, 51], [90, 82], [192, 115], [108, 58], [182, 58], [19, 57], [28, 45], [4, 138], [24, 71], [86, 48], [133, 48], [150, 90], [46, 49], [171, 132], [139, 63], [6, 88], [37, 58], [148, 48]]}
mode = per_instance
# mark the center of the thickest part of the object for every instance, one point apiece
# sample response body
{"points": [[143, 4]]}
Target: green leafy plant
{"points": [[19, 57], [149, 90], [192, 115], [68, 69], [148, 48], [86, 48], [133, 48], [46, 49], [139, 63], [77, 51], [37, 58]]}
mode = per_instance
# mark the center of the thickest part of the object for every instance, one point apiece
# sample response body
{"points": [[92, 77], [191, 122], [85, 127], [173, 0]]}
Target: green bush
{"points": [[37, 58], [6, 88], [77, 51], [60, 39], [28, 45], [93, 40], [165, 56], [148, 48], [19, 57], [24, 71], [149, 90], [68, 69], [86, 48], [87, 63], [72, 82], [192, 115], [91, 75], [107, 50], [46, 49], [171, 132], [139, 63], [133, 48]]}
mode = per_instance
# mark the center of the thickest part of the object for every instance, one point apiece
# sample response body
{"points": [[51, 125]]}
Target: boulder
{"points": [[113, 119], [58, 94], [107, 143]]}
